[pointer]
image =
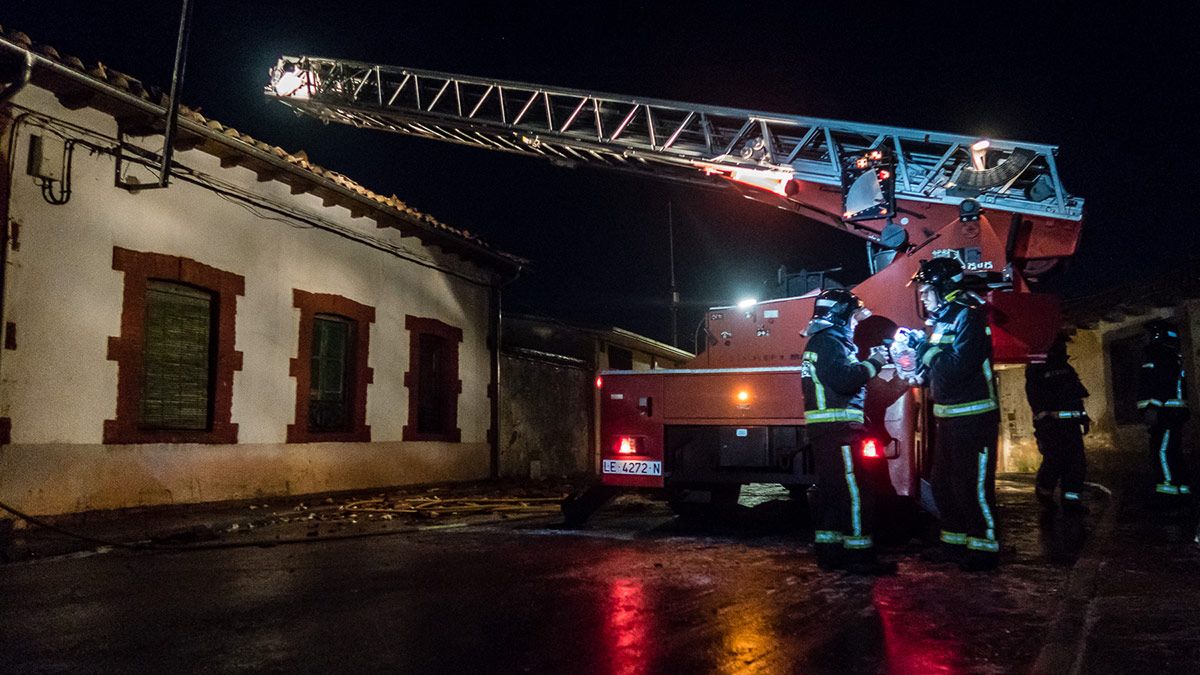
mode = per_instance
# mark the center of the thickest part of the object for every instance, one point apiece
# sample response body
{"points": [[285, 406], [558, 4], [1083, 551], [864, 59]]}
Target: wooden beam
{"points": [[76, 99], [267, 173], [188, 141], [140, 124]]}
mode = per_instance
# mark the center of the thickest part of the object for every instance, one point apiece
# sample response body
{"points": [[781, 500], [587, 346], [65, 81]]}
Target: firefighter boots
{"points": [[864, 563], [979, 561], [942, 552], [830, 557], [1046, 499]]}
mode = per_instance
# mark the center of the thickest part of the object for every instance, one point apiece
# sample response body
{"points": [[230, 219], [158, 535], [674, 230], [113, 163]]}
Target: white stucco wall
{"points": [[65, 300]]}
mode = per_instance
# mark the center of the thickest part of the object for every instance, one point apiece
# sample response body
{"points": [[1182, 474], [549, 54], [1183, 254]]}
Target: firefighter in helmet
{"points": [[956, 360], [1162, 395], [1059, 424], [834, 382]]}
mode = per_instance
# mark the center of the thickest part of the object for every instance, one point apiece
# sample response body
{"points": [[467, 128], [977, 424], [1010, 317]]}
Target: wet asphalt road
{"points": [[637, 592]]}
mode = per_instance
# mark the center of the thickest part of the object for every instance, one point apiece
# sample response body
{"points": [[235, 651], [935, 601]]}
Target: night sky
{"points": [[1108, 86]]}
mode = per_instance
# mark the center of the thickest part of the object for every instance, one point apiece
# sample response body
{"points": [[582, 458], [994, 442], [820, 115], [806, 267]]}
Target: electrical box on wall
{"points": [[46, 158]]}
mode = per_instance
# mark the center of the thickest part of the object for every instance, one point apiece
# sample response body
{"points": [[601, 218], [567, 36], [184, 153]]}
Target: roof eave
{"points": [[46, 70]]}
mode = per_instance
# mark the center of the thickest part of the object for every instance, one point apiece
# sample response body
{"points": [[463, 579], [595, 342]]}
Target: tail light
{"points": [[599, 382], [870, 449], [628, 445]]}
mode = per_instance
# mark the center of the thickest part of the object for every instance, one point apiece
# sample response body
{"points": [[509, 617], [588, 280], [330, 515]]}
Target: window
{"points": [[175, 354], [328, 399], [619, 359], [432, 404], [1125, 363], [331, 369], [432, 381]]}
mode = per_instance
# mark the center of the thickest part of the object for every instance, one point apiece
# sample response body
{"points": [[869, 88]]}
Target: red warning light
{"points": [[627, 445], [884, 175], [870, 449], [599, 382]]}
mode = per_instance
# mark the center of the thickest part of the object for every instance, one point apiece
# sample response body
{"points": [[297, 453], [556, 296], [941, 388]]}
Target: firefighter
{"points": [[1059, 424], [956, 360], [1162, 394], [835, 384]]}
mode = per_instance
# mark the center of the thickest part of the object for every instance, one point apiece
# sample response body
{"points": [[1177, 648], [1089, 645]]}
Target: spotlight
{"points": [[969, 210]]}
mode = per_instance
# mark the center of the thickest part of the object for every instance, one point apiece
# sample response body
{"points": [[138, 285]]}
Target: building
{"points": [[260, 327], [550, 411], [1106, 350]]}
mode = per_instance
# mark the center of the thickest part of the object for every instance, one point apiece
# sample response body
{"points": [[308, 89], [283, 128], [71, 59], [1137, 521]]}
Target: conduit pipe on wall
{"points": [[22, 80], [6, 126]]}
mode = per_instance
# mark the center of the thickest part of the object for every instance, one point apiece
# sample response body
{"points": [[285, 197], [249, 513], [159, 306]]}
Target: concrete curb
{"points": [[1066, 639], [214, 536]]}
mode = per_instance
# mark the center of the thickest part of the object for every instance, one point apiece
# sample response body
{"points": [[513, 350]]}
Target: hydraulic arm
{"points": [[804, 164]]}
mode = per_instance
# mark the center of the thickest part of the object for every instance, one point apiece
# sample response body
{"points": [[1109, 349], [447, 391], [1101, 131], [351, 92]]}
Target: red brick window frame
{"points": [[127, 349], [360, 317], [448, 386]]}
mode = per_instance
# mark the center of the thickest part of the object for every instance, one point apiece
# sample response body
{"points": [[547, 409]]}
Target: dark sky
{"points": [[1109, 86]]}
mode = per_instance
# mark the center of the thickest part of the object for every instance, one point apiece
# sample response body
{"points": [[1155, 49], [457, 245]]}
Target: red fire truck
{"points": [[734, 415]]}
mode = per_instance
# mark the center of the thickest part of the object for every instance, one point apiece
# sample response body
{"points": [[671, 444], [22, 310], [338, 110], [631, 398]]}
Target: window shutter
{"points": [[177, 357]]}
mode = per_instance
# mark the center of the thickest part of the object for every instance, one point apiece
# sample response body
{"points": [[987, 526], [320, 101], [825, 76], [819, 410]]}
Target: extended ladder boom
{"points": [[789, 156]]}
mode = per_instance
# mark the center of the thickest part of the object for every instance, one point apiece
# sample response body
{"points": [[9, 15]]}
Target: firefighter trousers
{"points": [[1061, 443], [845, 504], [964, 479], [1170, 467]]}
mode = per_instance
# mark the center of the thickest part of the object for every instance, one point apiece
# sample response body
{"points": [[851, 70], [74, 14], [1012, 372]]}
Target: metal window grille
{"points": [[177, 357]]}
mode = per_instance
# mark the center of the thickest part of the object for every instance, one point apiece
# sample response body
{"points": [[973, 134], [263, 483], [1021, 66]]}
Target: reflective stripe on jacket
{"points": [[1054, 391], [833, 379], [1161, 384], [959, 359]]}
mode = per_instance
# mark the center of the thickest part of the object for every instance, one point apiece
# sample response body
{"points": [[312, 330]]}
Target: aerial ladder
{"points": [[734, 414]]}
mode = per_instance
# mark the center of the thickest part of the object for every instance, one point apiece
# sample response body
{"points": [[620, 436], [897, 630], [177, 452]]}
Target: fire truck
{"points": [[734, 415]]}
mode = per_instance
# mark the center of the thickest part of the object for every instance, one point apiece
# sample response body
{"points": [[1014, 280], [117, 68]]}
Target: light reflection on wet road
{"points": [[638, 592]]}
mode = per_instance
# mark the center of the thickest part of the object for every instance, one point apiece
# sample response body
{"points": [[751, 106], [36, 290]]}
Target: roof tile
{"points": [[135, 87]]}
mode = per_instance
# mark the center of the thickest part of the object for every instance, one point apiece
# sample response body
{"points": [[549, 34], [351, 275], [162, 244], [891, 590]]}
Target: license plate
{"points": [[632, 467]]}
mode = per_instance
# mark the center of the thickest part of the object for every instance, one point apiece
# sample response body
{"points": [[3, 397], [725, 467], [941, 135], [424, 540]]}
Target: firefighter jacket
{"points": [[1054, 391], [833, 379], [1161, 385], [959, 360]]}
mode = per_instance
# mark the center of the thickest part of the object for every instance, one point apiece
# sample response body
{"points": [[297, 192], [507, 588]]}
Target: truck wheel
{"points": [[578, 507], [703, 501]]}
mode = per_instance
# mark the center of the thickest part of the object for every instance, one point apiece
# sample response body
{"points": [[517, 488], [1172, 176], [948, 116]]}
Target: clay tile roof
{"points": [[134, 87]]}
